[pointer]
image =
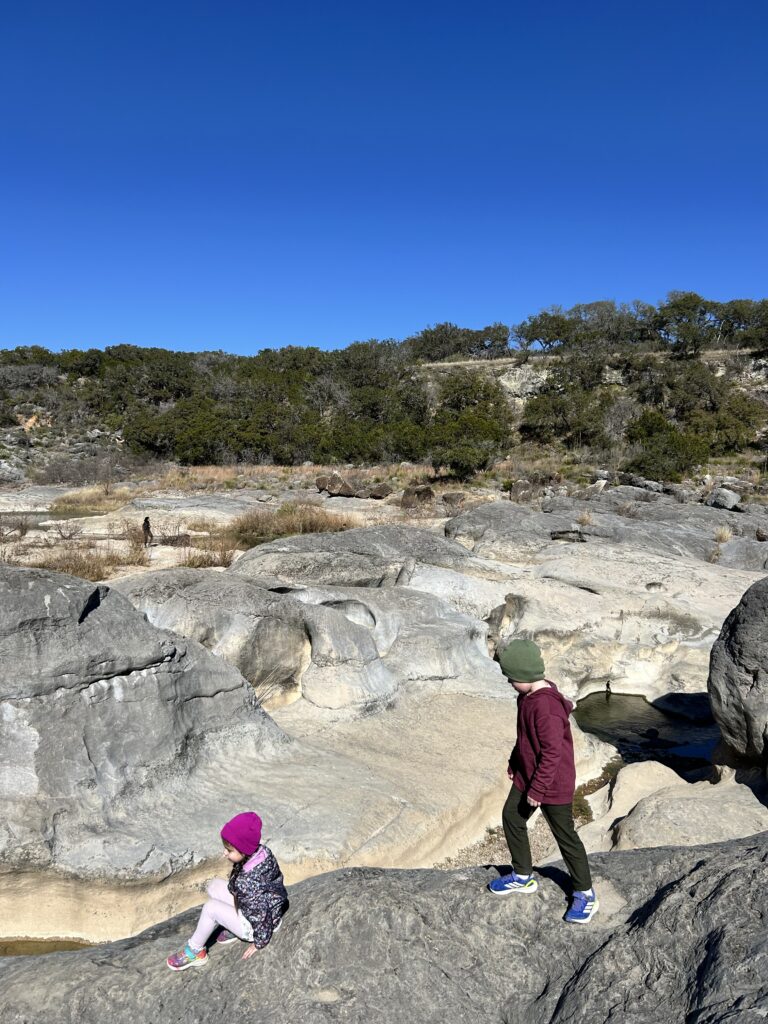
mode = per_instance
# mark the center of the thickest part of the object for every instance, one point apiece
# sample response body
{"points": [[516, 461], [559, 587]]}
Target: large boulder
{"points": [[738, 676], [96, 708], [376, 556], [648, 805], [334, 646], [680, 936]]}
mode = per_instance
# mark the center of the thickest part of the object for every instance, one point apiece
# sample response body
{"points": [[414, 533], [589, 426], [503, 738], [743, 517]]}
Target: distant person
{"points": [[608, 689], [249, 907], [146, 530], [543, 775]]}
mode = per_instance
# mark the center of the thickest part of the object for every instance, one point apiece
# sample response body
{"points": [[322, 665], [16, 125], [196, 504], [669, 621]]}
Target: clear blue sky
{"points": [[241, 175]]}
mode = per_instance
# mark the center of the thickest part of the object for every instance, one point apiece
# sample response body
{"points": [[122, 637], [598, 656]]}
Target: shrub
{"points": [[665, 453]]}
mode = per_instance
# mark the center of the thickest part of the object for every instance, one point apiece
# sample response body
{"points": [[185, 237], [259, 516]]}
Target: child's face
{"points": [[521, 687], [232, 855]]}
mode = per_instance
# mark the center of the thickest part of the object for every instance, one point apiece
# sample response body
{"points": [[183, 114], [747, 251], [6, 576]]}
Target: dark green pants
{"points": [[559, 817]]}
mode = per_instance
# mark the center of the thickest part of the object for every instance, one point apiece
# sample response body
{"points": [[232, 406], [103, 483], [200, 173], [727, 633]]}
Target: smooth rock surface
{"points": [[334, 646]]}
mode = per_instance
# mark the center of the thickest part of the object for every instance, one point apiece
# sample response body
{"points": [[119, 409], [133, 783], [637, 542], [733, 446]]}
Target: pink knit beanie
{"points": [[243, 832]]}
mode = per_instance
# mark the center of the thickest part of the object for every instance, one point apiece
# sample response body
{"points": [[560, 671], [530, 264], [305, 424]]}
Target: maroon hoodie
{"points": [[543, 756]]}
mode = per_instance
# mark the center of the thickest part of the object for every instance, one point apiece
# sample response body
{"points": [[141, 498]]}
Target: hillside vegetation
{"points": [[626, 384]]}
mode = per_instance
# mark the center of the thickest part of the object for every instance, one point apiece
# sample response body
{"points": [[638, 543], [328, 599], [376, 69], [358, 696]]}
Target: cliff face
{"points": [[680, 936]]}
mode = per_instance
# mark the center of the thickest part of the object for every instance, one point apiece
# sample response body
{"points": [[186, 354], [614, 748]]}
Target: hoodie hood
{"points": [[551, 692]]}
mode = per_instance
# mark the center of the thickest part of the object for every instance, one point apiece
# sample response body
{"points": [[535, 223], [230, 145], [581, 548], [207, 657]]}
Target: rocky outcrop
{"points": [[334, 646], [417, 497], [99, 710], [649, 805], [367, 557], [619, 516], [738, 676], [680, 936]]}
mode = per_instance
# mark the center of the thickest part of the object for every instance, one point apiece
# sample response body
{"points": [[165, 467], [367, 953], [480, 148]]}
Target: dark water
{"points": [[640, 731], [32, 947]]}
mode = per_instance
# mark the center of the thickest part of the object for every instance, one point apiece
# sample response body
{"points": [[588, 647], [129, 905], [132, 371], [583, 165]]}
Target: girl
{"points": [[250, 906]]}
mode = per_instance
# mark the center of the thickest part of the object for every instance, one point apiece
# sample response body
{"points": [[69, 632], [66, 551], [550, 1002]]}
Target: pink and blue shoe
{"points": [[188, 957]]}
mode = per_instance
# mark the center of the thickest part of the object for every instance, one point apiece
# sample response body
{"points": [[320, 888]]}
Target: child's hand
{"points": [[249, 952]]}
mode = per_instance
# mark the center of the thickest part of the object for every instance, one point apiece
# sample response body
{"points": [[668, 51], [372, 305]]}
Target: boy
{"points": [[543, 775]]}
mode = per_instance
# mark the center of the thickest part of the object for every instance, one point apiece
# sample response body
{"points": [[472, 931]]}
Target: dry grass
{"points": [[723, 534], [259, 525], [714, 554], [89, 563], [93, 499], [209, 553], [584, 519]]}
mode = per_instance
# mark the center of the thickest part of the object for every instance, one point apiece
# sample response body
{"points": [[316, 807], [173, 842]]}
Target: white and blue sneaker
{"points": [[583, 907], [506, 884]]}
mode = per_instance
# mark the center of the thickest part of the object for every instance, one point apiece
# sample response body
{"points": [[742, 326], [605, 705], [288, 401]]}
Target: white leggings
{"points": [[218, 912]]}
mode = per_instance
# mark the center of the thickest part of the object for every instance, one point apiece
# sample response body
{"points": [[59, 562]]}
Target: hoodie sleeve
{"points": [[549, 733]]}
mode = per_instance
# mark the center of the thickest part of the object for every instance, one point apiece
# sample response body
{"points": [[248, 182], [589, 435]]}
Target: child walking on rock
{"points": [[248, 907], [543, 775]]}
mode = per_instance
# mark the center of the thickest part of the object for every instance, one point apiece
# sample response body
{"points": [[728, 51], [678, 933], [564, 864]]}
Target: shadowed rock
{"points": [[680, 936], [738, 676]]}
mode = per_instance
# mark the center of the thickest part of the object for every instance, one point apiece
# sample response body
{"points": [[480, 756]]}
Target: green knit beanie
{"points": [[521, 661]]}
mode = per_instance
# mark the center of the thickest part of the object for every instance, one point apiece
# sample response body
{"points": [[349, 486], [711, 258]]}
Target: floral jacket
{"points": [[260, 895]]}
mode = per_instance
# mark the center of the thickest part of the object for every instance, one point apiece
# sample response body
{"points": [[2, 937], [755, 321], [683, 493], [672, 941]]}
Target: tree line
{"points": [[628, 383]]}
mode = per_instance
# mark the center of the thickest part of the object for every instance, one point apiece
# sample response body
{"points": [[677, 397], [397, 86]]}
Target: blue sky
{"points": [[243, 175]]}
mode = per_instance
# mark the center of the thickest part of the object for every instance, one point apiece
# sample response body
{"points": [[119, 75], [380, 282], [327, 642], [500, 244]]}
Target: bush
{"points": [[665, 453]]}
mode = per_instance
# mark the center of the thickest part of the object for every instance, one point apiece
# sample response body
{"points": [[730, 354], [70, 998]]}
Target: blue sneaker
{"points": [[583, 907], [506, 884]]}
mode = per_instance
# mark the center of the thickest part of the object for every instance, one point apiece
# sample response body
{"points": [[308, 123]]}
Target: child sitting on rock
{"points": [[543, 775], [249, 907]]}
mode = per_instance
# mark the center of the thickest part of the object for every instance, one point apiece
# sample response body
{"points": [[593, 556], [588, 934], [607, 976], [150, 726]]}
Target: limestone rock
{"points": [[738, 676], [680, 935], [375, 491], [97, 710], [336, 486], [365, 557], [10, 474], [723, 497], [417, 497], [335, 647], [611, 804], [690, 814]]}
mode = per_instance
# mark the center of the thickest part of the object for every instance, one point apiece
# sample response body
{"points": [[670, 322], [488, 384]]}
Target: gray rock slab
{"points": [[365, 557], [680, 936], [617, 516]]}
